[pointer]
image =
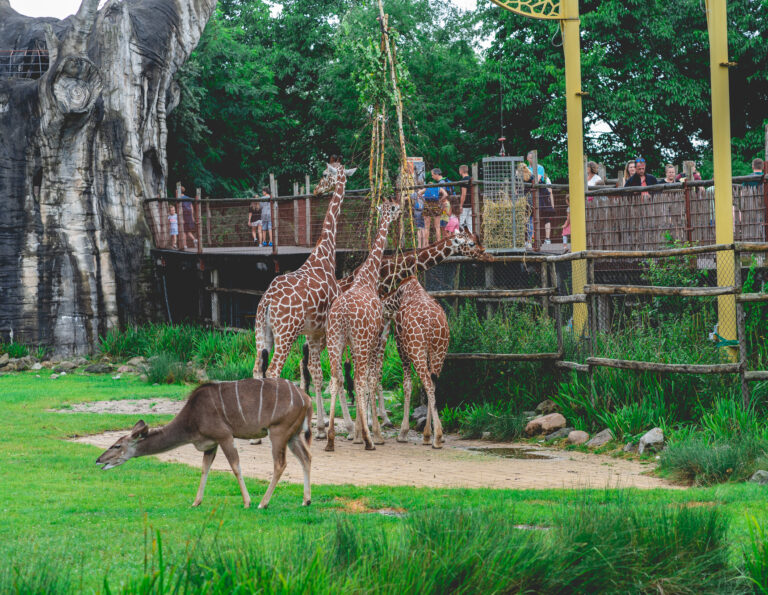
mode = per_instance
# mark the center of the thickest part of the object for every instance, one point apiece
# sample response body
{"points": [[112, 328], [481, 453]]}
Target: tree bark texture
{"points": [[80, 148]]}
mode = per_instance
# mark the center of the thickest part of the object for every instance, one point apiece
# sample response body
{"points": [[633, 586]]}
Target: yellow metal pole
{"points": [[569, 25], [721, 153]]}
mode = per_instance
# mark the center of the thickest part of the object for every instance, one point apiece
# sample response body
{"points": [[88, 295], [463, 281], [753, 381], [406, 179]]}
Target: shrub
{"points": [[129, 343], [14, 349], [729, 420], [501, 420], [165, 368], [755, 555], [700, 461]]}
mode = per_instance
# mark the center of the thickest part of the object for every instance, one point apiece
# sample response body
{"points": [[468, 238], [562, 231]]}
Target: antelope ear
{"points": [[350, 172], [140, 430]]}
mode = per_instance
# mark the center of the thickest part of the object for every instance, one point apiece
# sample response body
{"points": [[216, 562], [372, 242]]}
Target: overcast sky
{"points": [[63, 8]]}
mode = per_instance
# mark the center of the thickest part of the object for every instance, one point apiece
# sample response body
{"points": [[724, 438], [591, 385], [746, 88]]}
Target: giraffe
{"points": [[298, 302], [394, 269], [422, 335], [355, 320]]}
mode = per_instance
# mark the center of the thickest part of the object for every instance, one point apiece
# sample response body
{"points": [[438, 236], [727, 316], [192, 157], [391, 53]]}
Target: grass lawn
{"points": [[62, 515]]}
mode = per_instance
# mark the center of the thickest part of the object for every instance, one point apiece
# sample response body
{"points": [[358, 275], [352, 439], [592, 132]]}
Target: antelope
{"points": [[217, 413]]}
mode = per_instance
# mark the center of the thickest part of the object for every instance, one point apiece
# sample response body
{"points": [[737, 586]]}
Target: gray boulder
{"points": [[600, 439], [37, 366], [577, 437], [652, 440], [630, 447], [420, 411], [65, 366], [545, 424], [760, 477], [559, 434], [20, 364], [546, 407], [98, 369], [4, 359], [136, 361]]}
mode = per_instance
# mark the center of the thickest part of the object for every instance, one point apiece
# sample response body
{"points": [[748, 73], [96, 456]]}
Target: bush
{"points": [[700, 461], [14, 349], [165, 368], [500, 419]]}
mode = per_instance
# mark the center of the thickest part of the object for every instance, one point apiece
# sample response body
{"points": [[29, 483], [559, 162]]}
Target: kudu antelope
{"points": [[217, 413]]}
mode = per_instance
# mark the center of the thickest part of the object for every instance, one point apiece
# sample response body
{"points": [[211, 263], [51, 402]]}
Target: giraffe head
{"points": [[465, 243], [333, 174], [388, 212]]}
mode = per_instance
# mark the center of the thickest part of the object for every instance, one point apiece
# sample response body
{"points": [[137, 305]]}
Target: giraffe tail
{"points": [[349, 381], [264, 362], [305, 368]]}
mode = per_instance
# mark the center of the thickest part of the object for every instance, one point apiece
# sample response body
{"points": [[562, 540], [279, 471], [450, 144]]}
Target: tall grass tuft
{"points": [[166, 368], [755, 554], [14, 349]]}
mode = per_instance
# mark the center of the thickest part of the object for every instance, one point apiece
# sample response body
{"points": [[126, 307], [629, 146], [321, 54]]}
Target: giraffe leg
{"points": [[437, 440], [379, 371], [208, 457], [361, 381], [372, 390], [407, 388], [316, 371], [345, 410], [283, 343], [429, 388]]}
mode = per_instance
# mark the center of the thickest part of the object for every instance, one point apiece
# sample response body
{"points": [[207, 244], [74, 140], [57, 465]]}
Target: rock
{"points": [[577, 437], [80, 361], [10, 366], [136, 362], [546, 407], [144, 378], [48, 364], [760, 477], [201, 375], [420, 423], [116, 377], [37, 366], [4, 359], [485, 436], [420, 411], [545, 424], [630, 447], [98, 369], [601, 438], [20, 364], [54, 376], [127, 370], [530, 414], [65, 366], [652, 440], [558, 434]]}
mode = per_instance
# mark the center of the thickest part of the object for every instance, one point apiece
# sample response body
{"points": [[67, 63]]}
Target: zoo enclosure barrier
{"points": [[503, 211], [623, 292]]}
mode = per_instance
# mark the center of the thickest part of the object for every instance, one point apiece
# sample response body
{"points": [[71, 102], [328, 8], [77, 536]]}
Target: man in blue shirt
{"points": [[432, 198]]}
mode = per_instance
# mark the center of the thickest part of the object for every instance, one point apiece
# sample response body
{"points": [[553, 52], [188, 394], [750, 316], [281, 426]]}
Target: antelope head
{"points": [[124, 448]]}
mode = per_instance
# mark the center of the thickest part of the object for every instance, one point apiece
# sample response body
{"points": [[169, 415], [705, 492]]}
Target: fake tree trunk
{"points": [[80, 147]]}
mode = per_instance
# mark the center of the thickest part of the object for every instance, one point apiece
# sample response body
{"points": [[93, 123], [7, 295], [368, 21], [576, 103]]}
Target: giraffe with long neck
{"points": [[355, 320], [395, 269], [298, 302]]}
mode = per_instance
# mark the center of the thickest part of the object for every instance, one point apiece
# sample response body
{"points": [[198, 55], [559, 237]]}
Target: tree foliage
{"points": [[279, 92]]}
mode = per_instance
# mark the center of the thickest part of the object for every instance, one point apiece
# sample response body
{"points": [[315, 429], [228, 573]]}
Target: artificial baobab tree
{"points": [[80, 147]]}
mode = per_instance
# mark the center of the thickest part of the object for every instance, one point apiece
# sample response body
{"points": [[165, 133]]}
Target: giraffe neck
{"points": [[324, 254], [400, 268], [369, 271]]}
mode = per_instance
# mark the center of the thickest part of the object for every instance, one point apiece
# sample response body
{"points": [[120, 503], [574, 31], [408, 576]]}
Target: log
{"points": [[492, 293], [576, 367], [625, 364], [604, 289], [214, 289], [516, 357], [90, 134], [756, 375], [752, 297], [576, 298]]}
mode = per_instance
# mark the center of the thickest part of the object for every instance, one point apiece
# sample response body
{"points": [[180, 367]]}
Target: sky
{"points": [[63, 8]]}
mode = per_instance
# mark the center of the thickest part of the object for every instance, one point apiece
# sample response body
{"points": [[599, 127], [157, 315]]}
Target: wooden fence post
{"points": [[198, 220], [295, 214], [307, 211], [275, 210], [765, 196], [688, 174], [215, 317], [741, 334]]}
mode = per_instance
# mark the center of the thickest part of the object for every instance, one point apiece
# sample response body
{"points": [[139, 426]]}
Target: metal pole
{"points": [[307, 212], [717, 24], [569, 25]]}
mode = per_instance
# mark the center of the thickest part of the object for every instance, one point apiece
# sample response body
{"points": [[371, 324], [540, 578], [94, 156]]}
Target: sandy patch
{"points": [[160, 406], [412, 464]]}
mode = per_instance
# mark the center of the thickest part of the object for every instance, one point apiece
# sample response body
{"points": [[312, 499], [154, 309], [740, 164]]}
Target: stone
{"points": [[201, 375], [652, 440], [126, 370], [48, 364], [10, 366], [485, 436], [630, 447], [65, 366], [80, 361], [4, 359], [20, 364], [546, 407], [144, 378], [577, 437], [98, 369], [420, 411], [530, 414], [136, 361], [37, 366], [545, 424], [420, 423], [559, 434], [760, 477], [116, 377], [54, 376], [600, 439]]}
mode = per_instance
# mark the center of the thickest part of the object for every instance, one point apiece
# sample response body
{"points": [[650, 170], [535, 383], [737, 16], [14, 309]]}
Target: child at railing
{"points": [[567, 224], [173, 224]]}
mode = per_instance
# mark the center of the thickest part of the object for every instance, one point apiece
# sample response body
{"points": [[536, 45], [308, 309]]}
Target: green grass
{"points": [[68, 526]]}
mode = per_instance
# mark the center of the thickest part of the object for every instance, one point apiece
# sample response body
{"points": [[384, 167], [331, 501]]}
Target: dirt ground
{"points": [[457, 464]]}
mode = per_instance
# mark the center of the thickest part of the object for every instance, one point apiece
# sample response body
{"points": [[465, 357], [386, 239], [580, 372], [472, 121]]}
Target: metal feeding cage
{"points": [[506, 209]]}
